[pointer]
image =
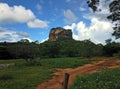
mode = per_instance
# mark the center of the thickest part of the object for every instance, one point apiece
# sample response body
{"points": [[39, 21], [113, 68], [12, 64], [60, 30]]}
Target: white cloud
{"points": [[39, 8], [10, 14], [82, 9], [15, 14], [12, 36], [98, 31], [72, 27], [82, 5], [43, 40], [99, 28], [69, 16], [23, 34], [8, 37], [68, 0], [30, 40], [37, 24]]}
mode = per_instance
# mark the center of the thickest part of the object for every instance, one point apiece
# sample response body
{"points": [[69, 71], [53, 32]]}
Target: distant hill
{"points": [[58, 33]]}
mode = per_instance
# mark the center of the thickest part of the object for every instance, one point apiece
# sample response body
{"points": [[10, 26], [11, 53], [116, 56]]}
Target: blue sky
{"points": [[33, 19]]}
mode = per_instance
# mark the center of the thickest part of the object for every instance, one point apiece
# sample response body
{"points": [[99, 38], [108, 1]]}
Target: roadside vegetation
{"points": [[105, 79]]}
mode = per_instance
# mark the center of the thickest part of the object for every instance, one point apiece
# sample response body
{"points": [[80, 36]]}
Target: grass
{"points": [[22, 76], [63, 62], [19, 61], [106, 79]]}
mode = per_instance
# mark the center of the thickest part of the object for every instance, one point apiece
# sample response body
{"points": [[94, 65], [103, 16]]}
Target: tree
{"points": [[111, 48], [49, 49], [108, 41], [24, 41], [4, 54], [93, 4], [27, 51], [114, 8]]}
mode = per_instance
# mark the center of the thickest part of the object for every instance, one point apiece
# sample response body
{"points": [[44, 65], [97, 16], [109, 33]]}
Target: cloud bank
{"points": [[19, 14], [98, 31], [12, 36], [69, 16], [37, 24], [99, 28]]}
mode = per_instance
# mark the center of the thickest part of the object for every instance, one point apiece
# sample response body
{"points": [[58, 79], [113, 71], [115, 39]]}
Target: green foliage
{"points": [[32, 62], [23, 50], [114, 8], [4, 53], [49, 49], [70, 48], [92, 4], [117, 55], [106, 79], [61, 48], [111, 48], [63, 62], [6, 76]]}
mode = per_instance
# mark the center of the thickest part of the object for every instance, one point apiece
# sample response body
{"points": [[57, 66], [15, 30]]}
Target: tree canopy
{"points": [[59, 48]]}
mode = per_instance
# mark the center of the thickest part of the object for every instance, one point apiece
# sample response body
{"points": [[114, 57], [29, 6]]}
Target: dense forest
{"points": [[59, 48]]}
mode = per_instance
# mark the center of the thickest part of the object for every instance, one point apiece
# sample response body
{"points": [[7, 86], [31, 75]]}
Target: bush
{"points": [[117, 55], [32, 62]]}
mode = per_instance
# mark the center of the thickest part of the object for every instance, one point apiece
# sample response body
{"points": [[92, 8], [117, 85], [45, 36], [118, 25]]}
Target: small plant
{"points": [[117, 55], [33, 62]]}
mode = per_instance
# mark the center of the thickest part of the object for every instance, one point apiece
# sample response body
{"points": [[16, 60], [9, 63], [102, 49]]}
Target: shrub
{"points": [[117, 55], [33, 62]]}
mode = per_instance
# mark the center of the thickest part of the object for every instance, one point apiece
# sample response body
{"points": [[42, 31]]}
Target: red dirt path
{"points": [[56, 81]]}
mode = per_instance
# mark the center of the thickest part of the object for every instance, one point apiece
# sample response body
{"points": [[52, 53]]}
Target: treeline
{"points": [[60, 48]]}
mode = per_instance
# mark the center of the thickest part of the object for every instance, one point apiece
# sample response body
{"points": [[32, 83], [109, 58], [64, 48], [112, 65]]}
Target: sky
{"points": [[33, 20]]}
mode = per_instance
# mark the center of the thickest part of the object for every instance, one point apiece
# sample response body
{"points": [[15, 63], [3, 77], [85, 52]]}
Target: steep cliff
{"points": [[57, 33]]}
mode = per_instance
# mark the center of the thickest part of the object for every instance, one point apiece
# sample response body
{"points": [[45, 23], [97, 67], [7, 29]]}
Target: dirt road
{"points": [[56, 81]]}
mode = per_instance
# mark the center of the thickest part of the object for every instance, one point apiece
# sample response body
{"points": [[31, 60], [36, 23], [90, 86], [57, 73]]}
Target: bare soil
{"points": [[99, 63]]}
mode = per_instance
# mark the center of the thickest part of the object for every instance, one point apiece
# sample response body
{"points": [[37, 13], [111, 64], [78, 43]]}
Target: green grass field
{"points": [[105, 79], [22, 76], [63, 62]]}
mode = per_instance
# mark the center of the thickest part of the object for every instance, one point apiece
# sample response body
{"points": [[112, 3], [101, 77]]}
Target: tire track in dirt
{"points": [[56, 81]]}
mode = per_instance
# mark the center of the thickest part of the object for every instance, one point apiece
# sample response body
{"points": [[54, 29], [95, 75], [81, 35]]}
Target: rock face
{"points": [[57, 33]]}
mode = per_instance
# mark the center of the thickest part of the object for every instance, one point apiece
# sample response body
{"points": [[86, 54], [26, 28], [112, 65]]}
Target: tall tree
{"points": [[114, 8]]}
